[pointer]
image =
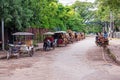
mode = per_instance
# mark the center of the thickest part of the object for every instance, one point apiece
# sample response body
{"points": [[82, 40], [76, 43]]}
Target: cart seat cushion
{"points": [[25, 48], [60, 41], [29, 42], [15, 49]]}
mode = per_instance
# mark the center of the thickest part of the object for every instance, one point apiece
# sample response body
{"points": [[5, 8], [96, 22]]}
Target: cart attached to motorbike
{"points": [[22, 44]]}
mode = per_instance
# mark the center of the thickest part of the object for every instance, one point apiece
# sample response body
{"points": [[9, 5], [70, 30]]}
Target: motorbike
{"points": [[48, 45], [49, 42]]}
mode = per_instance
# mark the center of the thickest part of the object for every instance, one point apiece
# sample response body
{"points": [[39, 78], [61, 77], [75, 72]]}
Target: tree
{"points": [[83, 13], [113, 4], [16, 13], [105, 7], [44, 11]]}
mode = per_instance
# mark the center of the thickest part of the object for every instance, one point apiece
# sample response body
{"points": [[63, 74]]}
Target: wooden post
{"points": [[3, 41]]}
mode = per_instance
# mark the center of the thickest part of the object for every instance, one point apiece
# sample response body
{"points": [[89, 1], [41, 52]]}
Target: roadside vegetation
{"points": [[50, 14]]}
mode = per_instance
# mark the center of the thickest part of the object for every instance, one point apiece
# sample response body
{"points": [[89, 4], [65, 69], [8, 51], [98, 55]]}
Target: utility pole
{"points": [[2, 24], [3, 41]]}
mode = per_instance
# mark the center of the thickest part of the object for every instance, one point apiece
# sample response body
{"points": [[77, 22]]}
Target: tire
{"points": [[18, 55], [31, 52], [8, 55], [53, 46], [45, 47]]}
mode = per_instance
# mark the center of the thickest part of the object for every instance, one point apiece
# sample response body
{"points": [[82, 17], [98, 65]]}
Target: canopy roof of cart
{"points": [[49, 33], [23, 33], [60, 32]]}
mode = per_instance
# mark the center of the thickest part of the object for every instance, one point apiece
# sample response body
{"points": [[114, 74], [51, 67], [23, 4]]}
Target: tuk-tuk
{"points": [[22, 43], [61, 38], [49, 41]]}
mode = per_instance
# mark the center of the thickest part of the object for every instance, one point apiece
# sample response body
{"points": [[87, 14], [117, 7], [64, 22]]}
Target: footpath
{"points": [[114, 48]]}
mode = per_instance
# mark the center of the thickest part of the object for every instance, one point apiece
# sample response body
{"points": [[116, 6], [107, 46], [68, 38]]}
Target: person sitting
{"points": [[106, 37], [102, 39]]}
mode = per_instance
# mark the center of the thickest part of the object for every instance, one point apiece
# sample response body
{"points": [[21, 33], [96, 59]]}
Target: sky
{"points": [[68, 2]]}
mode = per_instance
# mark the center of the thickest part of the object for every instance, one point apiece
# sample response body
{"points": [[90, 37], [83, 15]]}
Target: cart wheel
{"points": [[8, 54], [18, 55], [46, 48], [31, 52], [53, 46]]}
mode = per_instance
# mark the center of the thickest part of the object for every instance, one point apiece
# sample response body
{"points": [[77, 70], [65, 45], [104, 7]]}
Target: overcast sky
{"points": [[68, 2]]}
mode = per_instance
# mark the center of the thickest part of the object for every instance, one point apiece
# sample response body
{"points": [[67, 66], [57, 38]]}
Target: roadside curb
{"points": [[112, 56]]}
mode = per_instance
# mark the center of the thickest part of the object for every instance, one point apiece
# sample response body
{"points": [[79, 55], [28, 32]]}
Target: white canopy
{"points": [[22, 33], [60, 32], [48, 33]]}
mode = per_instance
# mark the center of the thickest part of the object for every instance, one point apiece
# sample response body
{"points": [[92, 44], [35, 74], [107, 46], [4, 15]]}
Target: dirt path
{"points": [[73, 62]]}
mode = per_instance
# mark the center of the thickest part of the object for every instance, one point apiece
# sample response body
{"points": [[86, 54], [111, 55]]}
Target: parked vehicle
{"points": [[22, 43], [49, 41], [101, 40], [61, 38]]}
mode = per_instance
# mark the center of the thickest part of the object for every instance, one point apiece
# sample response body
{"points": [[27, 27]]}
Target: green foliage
{"points": [[16, 13], [105, 7], [50, 14], [83, 15], [113, 4]]}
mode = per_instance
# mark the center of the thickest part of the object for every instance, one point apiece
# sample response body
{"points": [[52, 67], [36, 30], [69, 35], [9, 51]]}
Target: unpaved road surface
{"points": [[78, 61]]}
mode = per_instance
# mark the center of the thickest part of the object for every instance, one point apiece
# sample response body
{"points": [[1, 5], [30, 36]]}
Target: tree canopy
{"points": [[15, 13], [51, 14], [107, 10]]}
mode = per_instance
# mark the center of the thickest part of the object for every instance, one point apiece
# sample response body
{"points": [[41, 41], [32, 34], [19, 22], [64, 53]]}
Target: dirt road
{"points": [[73, 62]]}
